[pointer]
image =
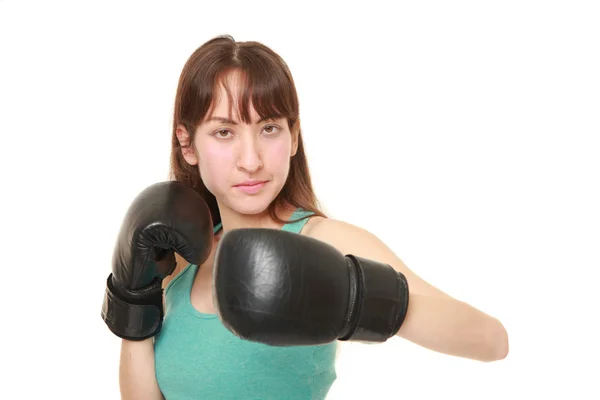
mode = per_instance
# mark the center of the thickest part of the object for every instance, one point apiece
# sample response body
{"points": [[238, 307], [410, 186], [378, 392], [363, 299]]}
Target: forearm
{"points": [[137, 376], [449, 326]]}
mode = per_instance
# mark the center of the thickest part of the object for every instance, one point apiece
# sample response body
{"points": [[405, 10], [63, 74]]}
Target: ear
{"points": [[295, 137], [185, 142]]}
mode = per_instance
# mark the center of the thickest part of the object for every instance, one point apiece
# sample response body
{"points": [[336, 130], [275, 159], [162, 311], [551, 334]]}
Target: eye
{"points": [[271, 129], [222, 133]]}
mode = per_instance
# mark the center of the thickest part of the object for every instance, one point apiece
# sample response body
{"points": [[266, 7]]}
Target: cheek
{"points": [[279, 157], [214, 162]]}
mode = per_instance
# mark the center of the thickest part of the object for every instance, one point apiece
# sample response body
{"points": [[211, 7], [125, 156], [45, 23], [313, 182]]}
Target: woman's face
{"points": [[243, 165]]}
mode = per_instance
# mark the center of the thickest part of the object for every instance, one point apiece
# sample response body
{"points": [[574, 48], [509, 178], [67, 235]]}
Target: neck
{"points": [[231, 219]]}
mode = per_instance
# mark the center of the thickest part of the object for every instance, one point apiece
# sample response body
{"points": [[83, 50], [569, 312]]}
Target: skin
{"points": [[229, 152]]}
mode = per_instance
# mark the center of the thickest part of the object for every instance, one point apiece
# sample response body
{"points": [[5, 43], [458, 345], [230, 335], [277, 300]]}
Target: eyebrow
{"points": [[231, 122]]}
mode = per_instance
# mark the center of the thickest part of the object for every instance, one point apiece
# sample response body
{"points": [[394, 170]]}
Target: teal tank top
{"points": [[196, 357]]}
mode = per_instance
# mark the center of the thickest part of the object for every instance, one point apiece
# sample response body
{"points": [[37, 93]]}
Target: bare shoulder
{"points": [[351, 239], [346, 237]]}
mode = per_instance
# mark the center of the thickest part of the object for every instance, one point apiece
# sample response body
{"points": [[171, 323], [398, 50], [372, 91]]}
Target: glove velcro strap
{"points": [[382, 301], [129, 321]]}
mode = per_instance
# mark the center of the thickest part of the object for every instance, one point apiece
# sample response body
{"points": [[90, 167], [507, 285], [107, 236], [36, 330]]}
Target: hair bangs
{"points": [[267, 92]]}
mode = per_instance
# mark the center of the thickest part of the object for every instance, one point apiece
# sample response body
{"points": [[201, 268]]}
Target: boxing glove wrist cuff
{"points": [[130, 315], [380, 301]]}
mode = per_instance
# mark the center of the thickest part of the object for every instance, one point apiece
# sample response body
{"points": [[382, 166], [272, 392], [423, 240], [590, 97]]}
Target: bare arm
{"points": [[434, 319], [137, 376], [452, 327]]}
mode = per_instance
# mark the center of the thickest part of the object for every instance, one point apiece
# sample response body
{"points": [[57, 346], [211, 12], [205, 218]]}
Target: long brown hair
{"points": [[268, 84]]}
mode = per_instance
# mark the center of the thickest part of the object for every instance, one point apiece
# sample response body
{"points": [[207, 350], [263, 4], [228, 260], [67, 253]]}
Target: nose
{"points": [[250, 158]]}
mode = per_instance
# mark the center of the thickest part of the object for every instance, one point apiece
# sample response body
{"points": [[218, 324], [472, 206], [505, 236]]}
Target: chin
{"points": [[251, 205], [248, 208]]}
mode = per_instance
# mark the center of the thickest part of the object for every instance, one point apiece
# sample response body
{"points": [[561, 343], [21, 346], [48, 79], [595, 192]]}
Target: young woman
{"points": [[237, 142]]}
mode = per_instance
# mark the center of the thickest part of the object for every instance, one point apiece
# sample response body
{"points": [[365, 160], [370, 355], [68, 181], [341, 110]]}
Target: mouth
{"points": [[250, 183], [250, 187]]}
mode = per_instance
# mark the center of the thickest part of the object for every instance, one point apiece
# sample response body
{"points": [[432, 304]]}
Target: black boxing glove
{"points": [[285, 289], [164, 219]]}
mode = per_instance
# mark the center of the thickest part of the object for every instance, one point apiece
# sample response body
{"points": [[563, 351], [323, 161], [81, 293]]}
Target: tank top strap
{"points": [[297, 221], [217, 228]]}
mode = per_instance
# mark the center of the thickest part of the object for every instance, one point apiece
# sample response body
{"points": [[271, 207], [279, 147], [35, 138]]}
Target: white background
{"points": [[464, 134]]}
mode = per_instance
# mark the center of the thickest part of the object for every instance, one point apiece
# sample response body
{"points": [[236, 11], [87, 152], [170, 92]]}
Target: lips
{"points": [[250, 187], [250, 183]]}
